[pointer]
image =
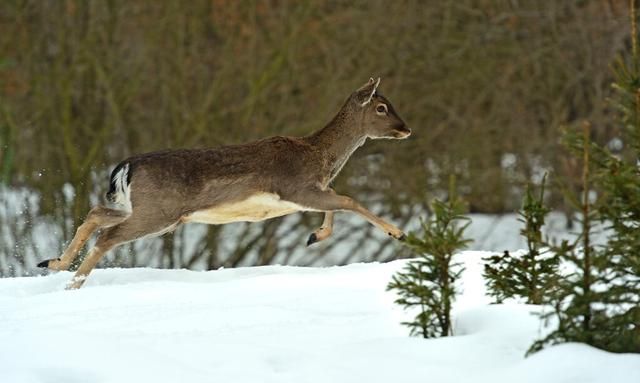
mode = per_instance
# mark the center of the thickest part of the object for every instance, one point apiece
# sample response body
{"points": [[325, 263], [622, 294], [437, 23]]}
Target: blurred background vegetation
{"points": [[485, 85]]}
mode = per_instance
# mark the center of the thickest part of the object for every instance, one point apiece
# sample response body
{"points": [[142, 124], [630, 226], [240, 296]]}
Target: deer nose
{"points": [[401, 131], [404, 131]]}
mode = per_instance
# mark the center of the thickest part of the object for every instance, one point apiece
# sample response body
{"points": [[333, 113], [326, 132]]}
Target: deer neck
{"points": [[339, 139]]}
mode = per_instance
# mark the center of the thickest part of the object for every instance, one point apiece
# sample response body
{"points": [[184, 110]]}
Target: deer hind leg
{"points": [[133, 228], [98, 218]]}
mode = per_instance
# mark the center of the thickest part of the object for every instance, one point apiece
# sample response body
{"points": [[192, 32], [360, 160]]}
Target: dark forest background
{"points": [[486, 87]]}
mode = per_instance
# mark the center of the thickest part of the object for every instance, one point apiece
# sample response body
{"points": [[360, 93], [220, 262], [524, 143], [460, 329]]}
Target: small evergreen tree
{"points": [[594, 304], [619, 179], [621, 214], [428, 281], [578, 306], [600, 303], [532, 275]]}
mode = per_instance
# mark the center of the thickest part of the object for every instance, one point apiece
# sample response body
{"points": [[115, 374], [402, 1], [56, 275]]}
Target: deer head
{"points": [[378, 117]]}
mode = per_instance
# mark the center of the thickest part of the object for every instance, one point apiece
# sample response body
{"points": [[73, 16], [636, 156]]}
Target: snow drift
{"points": [[272, 324]]}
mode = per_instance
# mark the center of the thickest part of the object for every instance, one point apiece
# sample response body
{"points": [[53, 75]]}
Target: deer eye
{"points": [[381, 109]]}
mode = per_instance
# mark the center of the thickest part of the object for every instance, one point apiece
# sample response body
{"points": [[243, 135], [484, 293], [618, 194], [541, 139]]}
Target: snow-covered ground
{"points": [[272, 324]]}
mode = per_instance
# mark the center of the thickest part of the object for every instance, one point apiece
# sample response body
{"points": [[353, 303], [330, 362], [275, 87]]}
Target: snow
{"points": [[272, 324]]}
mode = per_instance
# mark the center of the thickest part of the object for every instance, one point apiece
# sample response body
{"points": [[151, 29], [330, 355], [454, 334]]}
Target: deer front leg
{"points": [[324, 231], [328, 201]]}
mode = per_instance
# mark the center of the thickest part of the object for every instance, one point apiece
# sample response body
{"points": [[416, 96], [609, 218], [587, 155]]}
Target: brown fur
{"points": [[167, 186]]}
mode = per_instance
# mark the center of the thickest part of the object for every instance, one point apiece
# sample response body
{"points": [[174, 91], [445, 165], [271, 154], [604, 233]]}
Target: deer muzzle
{"points": [[402, 132]]}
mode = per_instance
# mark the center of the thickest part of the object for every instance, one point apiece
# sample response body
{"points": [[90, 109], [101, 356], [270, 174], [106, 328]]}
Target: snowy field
{"points": [[272, 324]]}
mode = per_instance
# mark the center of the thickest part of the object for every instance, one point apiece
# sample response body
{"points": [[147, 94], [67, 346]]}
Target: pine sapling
{"points": [[581, 303], [599, 303], [428, 282], [533, 274], [619, 179]]}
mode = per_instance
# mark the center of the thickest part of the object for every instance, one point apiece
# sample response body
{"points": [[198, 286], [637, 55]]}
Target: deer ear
{"points": [[366, 92]]}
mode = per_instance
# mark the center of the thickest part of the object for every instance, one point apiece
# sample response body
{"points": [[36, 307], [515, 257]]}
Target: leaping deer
{"points": [[154, 193]]}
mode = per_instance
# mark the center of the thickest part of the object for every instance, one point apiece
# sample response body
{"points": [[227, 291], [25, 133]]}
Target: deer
{"points": [[153, 193]]}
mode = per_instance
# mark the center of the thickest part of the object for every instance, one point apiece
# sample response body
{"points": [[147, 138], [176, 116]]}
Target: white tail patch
{"points": [[122, 196]]}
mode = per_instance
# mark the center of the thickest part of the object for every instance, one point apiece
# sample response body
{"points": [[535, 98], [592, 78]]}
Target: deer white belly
{"points": [[256, 208]]}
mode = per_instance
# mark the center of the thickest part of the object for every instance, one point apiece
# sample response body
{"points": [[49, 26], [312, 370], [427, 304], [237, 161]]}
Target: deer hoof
{"points": [[46, 262], [400, 237], [313, 238]]}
